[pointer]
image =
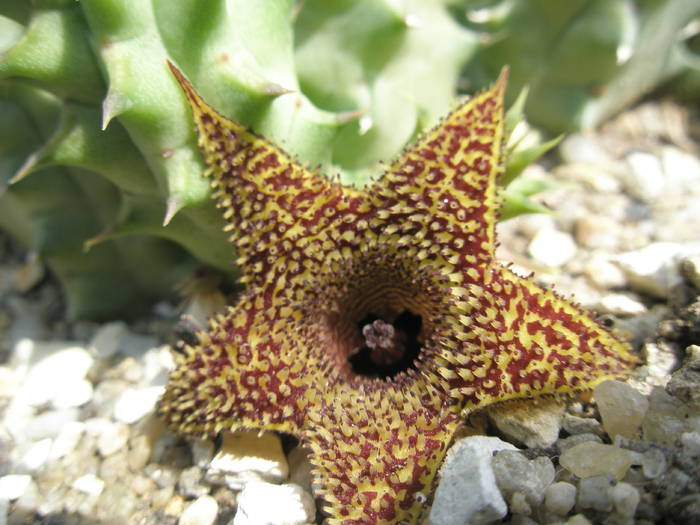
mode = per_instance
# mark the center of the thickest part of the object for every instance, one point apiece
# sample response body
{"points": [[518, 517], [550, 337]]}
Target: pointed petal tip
{"points": [[193, 97], [502, 80]]}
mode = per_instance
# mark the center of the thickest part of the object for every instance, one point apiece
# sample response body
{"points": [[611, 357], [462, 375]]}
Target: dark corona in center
{"points": [[389, 347]]}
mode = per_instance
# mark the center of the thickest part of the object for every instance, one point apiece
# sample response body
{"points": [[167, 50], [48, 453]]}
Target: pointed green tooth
{"points": [[143, 94], [54, 53], [78, 142], [518, 160], [113, 105]]}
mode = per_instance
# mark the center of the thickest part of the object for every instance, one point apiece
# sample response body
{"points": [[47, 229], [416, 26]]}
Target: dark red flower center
{"points": [[377, 315]]}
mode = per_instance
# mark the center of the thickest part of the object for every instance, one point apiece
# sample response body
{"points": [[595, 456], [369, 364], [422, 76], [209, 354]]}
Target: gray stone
{"points": [[108, 339], [519, 504], [668, 418], [291, 505], [685, 382], [690, 268], [164, 476], [594, 493], [536, 423], [116, 504], [136, 345], [515, 473], [467, 492], [201, 511], [581, 425], [621, 408], [106, 395], [115, 467], [112, 438], [655, 269], [625, 499], [190, 483], [653, 463], [560, 498], [690, 441], [571, 441], [139, 452], [202, 452]]}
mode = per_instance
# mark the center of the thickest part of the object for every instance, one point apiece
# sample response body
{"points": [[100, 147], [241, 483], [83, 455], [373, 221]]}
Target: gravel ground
{"points": [[79, 442]]}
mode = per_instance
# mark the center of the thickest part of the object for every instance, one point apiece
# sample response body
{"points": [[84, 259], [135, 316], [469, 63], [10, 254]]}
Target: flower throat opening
{"points": [[389, 346]]}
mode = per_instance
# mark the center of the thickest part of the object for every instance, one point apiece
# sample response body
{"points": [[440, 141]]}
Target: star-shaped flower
{"points": [[375, 319]]}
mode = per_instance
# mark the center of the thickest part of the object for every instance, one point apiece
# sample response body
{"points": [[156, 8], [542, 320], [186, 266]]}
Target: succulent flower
{"points": [[375, 319]]}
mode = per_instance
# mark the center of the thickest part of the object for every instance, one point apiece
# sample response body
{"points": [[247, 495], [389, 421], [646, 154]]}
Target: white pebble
{"points": [[620, 304], [261, 503], [625, 499], [36, 455], [112, 438], [13, 486], [654, 269], [108, 339], [134, 404], [67, 439], [49, 424], [467, 490], [552, 248], [622, 408], [89, 484], [157, 363], [58, 379], [645, 179], [560, 498], [246, 456], [201, 511], [681, 168]]}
